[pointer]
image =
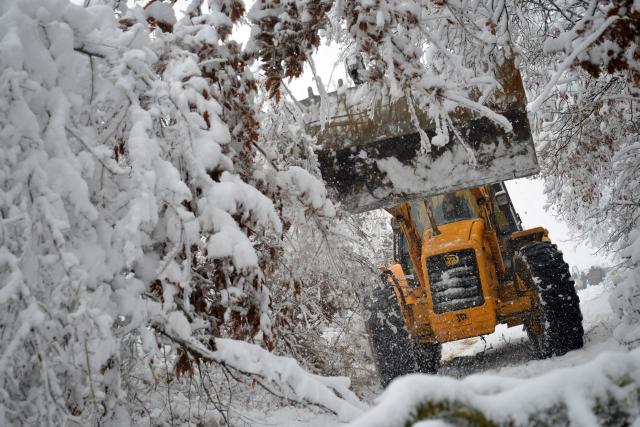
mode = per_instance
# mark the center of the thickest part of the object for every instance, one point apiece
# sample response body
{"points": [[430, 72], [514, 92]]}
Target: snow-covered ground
{"points": [[507, 350], [506, 353]]}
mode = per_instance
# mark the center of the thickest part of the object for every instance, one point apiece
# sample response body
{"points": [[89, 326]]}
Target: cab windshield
{"points": [[456, 206], [450, 207]]}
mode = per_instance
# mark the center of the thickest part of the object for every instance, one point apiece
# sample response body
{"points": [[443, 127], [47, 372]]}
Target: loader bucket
{"points": [[370, 156]]}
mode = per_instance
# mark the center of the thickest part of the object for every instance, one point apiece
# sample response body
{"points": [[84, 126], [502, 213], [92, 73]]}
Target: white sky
{"points": [[528, 198]]}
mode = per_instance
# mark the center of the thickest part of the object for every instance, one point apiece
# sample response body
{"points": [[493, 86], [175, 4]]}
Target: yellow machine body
{"points": [[501, 299]]}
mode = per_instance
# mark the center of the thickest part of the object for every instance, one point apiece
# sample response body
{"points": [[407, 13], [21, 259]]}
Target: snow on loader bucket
{"points": [[371, 157]]}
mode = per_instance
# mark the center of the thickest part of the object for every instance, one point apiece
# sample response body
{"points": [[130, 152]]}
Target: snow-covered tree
{"points": [[137, 228]]}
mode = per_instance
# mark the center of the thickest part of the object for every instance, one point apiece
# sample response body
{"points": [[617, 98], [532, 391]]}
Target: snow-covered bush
{"points": [[134, 233], [74, 217]]}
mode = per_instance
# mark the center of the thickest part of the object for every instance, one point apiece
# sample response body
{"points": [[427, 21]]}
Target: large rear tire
{"points": [[394, 351], [556, 324]]}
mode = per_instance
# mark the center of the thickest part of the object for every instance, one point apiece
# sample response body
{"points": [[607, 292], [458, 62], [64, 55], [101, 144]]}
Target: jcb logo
{"points": [[451, 260], [461, 317]]}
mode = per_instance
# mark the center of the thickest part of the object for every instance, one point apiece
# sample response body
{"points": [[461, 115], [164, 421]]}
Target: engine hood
{"points": [[453, 236]]}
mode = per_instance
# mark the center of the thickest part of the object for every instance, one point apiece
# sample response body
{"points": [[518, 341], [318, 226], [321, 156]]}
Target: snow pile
{"points": [[601, 392]]}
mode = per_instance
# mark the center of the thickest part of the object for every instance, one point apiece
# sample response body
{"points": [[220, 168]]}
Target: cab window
{"points": [[455, 206], [502, 221], [419, 216]]}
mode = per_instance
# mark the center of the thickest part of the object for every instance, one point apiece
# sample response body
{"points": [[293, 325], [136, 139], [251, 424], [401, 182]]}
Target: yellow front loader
{"points": [[462, 263]]}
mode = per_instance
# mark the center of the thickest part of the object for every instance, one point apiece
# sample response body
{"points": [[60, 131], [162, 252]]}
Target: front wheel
{"points": [[555, 326], [394, 351]]}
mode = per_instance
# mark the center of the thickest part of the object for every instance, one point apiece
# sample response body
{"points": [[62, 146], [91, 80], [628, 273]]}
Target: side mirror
{"points": [[501, 198]]}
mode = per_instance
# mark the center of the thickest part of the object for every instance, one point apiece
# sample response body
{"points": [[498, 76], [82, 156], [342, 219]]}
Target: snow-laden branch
{"points": [[283, 373], [483, 110], [534, 106]]}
